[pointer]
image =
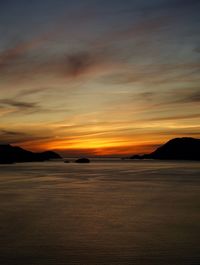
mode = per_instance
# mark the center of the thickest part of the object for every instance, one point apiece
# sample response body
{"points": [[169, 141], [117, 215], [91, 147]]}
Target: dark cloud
{"points": [[78, 63], [184, 96], [30, 92], [192, 97], [180, 97], [22, 107], [154, 99], [175, 117], [24, 67], [11, 54], [11, 133], [21, 61], [18, 49], [177, 98], [150, 95], [17, 137], [16, 53], [7, 136], [156, 74], [18, 104], [18, 107]]}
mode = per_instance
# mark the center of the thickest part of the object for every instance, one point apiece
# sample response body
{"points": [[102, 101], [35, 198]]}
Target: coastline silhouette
{"points": [[185, 148], [13, 154], [176, 149]]}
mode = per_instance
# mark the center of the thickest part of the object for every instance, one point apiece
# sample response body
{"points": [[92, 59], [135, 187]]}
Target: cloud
{"points": [[33, 91], [142, 28], [192, 97], [8, 136], [21, 62], [170, 97], [189, 96], [17, 137], [80, 62], [11, 133], [18, 104], [65, 65], [15, 107], [20, 50], [155, 74], [174, 117]]}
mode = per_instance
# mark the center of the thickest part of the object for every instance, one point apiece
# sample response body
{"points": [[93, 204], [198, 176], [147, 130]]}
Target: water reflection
{"points": [[143, 212]]}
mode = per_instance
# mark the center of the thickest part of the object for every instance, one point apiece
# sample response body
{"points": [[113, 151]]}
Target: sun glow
{"points": [[95, 146]]}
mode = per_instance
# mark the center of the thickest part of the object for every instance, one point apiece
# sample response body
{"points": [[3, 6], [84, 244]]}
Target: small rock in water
{"points": [[82, 160]]}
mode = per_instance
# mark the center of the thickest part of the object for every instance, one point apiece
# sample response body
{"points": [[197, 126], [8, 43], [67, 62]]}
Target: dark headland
{"points": [[13, 154], [176, 149]]}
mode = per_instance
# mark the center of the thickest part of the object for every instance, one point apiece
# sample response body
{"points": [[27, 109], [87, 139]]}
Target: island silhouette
{"points": [[83, 160], [185, 148], [13, 154]]}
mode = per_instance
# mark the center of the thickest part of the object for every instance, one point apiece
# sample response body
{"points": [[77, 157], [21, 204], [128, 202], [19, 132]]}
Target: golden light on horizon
{"points": [[96, 86], [95, 146]]}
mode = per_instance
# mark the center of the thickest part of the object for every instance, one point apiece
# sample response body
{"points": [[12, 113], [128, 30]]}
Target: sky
{"points": [[99, 77]]}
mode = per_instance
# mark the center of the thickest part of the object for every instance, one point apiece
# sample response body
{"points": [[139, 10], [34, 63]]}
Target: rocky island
{"points": [[13, 154], [83, 160]]}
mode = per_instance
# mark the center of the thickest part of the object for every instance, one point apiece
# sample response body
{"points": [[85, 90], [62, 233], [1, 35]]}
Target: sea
{"points": [[108, 212]]}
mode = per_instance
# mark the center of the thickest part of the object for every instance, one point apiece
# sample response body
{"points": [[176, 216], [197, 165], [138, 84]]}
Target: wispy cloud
{"points": [[107, 76], [17, 137], [192, 97], [18, 104]]}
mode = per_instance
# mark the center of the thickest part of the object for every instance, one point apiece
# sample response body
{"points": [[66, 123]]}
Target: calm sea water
{"points": [[125, 212]]}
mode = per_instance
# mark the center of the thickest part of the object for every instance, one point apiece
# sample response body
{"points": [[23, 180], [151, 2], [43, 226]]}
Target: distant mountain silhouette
{"points": [[12, 154], [176, 149]]}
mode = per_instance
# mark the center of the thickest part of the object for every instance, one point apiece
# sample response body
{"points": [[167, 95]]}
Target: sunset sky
{"points": [[99, 77]]}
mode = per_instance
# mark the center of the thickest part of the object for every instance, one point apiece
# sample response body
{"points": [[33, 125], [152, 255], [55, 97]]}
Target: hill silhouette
{"points": [[185, 148], [13, 154]]}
